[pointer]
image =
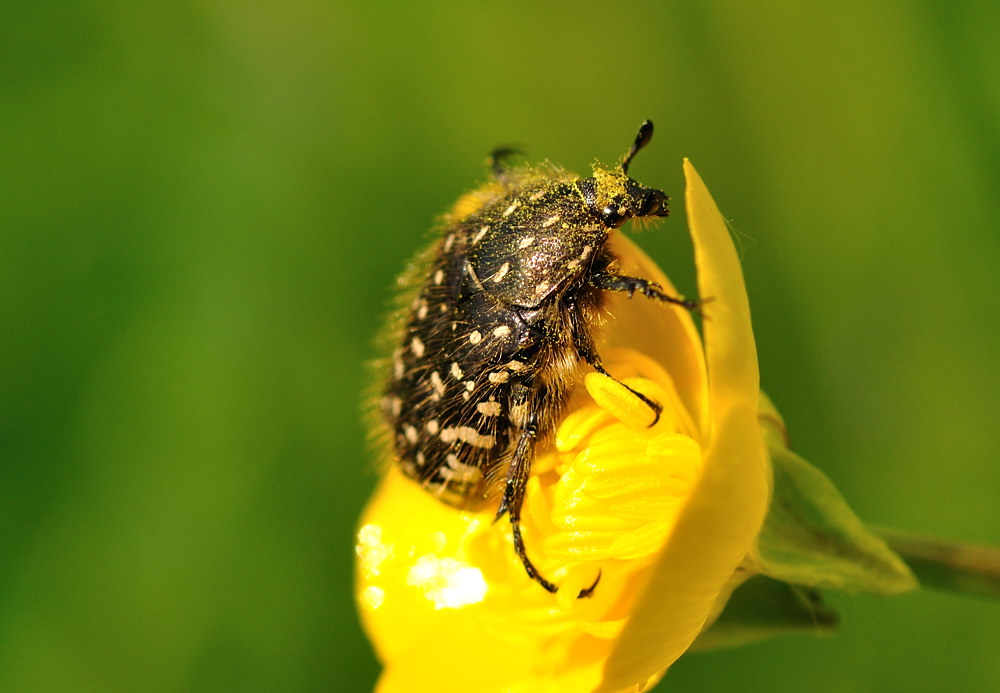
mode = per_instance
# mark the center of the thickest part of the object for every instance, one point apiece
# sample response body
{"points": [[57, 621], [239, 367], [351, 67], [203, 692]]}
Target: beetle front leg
{"points": [[614, 282]]}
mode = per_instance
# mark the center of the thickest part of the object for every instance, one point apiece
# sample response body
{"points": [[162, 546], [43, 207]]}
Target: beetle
{"points": [[499, 322]]}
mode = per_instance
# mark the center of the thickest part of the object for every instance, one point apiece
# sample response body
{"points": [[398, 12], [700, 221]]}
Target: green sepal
{"points": [[763, 608], [812, 537]]}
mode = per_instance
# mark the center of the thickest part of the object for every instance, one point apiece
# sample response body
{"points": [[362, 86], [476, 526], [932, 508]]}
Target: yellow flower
{"points": [[666, 514]]}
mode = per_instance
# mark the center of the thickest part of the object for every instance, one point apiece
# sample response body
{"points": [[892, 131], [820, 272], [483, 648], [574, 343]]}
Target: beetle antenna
{"points": [[641, 140]]}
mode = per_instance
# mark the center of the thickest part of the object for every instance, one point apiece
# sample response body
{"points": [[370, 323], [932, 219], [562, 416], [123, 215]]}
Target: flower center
{"points": [[607, 496]]}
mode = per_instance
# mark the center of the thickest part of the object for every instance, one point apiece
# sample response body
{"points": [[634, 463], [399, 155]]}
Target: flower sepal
{"points": [[811, 537], [763, 608]]}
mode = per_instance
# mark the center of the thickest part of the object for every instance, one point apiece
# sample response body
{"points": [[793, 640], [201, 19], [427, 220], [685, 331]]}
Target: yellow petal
{"points": [[713, 534], [717, 526], [666, 334], [731, 352]]}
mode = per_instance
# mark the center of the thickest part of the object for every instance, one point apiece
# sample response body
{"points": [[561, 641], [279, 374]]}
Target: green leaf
{"points": [[763, 608], [812, 537]]}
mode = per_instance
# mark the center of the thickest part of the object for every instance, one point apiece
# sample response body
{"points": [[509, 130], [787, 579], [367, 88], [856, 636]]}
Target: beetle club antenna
{"points": [[641, 140]]}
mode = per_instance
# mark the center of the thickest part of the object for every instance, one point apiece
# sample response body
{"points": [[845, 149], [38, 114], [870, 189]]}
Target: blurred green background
{"points": [[202, 209]]}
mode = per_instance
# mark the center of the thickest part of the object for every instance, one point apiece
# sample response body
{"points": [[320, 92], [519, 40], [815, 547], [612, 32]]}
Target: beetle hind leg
{"points": [[513, 500]]}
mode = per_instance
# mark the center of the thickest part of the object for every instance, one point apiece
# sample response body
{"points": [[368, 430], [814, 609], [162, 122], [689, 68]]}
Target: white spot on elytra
{"points": [[551, 221], [422, 309], [525, 242], [498, 377], [459, 472], [479, 236], [438, 385], [439, 276], [501, 273], [467, 434], [519, 414], [456, 370], [585, 253], [542, 288], [489, 408], [501, 331], [470, 385], [411, 434], [510, 210], [475, 337], [417, 347], [394, 405], [432, 426]]}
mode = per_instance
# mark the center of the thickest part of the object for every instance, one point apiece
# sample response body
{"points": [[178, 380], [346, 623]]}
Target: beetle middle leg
{"points": [[585, 350]]}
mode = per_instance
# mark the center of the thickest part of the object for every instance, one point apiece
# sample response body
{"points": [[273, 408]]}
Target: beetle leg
{"points": [[515, 486], [606, 281]]}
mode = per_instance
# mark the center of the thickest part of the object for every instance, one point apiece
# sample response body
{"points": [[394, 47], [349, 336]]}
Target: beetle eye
{"points": [[612, 217]]}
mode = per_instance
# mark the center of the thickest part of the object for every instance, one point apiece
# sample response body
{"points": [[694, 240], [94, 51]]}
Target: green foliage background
{"points": [[203, 206]]}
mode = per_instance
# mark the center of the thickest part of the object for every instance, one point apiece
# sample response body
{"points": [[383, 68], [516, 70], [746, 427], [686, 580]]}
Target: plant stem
{"points": [[955, 566]]}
